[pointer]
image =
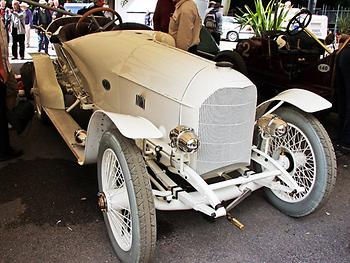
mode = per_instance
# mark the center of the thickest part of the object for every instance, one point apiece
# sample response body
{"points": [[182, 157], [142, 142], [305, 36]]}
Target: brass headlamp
{"points": [[271, 125]]}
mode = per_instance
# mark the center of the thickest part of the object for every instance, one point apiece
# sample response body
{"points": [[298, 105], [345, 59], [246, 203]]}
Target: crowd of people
{"points": [[18, 19]]}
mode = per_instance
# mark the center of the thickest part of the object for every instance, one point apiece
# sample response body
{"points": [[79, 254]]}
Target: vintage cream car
{"points": [[170, 130]]}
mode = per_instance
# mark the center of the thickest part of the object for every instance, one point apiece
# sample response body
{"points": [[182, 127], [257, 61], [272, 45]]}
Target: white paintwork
{"points": [[178, 88], [300, 98], [167, 77], [133, 127], [129, 126]]}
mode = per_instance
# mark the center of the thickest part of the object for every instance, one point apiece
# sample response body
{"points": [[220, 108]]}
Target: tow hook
{"points": [[234, 221]]}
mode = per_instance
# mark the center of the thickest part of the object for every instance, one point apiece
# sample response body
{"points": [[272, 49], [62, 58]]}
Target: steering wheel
{"points": [[299, 22], [94, 20]]}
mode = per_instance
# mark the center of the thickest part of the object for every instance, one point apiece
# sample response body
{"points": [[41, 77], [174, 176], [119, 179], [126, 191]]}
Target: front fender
{"points": [[300, 98], [129, 126]]}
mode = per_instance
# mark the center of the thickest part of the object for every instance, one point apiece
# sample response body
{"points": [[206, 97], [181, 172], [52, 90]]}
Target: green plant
{"points": [[264, 19], [343, 24]]}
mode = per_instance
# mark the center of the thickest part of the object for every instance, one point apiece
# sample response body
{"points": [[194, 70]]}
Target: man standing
{"points": [[28, 21], [17, 30], [161, 17], [213, 22], [42, 18], [6, 151], [343, 95], [185, 25]]}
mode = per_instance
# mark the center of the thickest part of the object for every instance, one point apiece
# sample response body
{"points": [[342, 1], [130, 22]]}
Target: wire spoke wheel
{"points": [[125, 198], [307, 154], [118, 210], [294, 151]]}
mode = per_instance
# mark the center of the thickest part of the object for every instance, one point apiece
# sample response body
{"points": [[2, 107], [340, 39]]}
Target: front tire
{"points": [[126, 198], [307, 153]]}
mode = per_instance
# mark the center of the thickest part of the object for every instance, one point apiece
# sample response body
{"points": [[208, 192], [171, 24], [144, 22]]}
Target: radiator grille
{"points": [[226, 121]]}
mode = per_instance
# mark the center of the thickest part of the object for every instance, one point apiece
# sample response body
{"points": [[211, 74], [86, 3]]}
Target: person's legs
{"points": [[40, 41], [21, 39], [4, 133], [46, 44], [14, 43], [27, 27]]}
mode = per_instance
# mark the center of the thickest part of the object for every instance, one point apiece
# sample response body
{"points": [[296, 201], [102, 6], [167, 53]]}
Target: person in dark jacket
{"points": [[343, 96], [161, 17], [216, 15], [41, 19]]}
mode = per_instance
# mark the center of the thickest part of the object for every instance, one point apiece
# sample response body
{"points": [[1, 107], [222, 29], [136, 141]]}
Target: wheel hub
{"points": [[102, 201], [285, 158], [284, 161]]}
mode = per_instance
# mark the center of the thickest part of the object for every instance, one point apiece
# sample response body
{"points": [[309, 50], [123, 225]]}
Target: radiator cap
{"points": [[224, 64]]}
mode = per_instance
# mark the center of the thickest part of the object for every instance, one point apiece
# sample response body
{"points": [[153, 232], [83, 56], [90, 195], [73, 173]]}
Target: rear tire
{"points": [[129, 211], [309, 152]]}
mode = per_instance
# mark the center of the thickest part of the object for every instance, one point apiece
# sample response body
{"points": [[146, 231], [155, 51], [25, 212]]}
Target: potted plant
{"points": [[343, 24], [265, 19]]}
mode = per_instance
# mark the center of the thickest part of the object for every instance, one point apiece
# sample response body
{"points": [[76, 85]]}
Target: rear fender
{"points": [[303, 99], [129, 126]]}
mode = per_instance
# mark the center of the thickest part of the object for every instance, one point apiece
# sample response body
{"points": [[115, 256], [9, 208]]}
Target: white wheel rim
{"points": [[232, 36], [118, 209], [301, 158]]}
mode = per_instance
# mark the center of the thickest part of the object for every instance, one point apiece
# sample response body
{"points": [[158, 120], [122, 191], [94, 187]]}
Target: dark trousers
{"points": [[4, 132], [17, 39], [343, 92], [43, 42]]}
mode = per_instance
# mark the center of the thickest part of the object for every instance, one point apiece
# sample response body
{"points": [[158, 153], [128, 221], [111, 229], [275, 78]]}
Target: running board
{"points": [[66, 126]]}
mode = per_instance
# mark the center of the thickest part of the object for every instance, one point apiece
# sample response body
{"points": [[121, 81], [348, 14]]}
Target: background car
{"points": [[232, 31]]}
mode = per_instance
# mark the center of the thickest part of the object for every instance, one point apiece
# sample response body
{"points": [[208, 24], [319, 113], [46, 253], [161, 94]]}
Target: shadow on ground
{"points": [[50, 191]]}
